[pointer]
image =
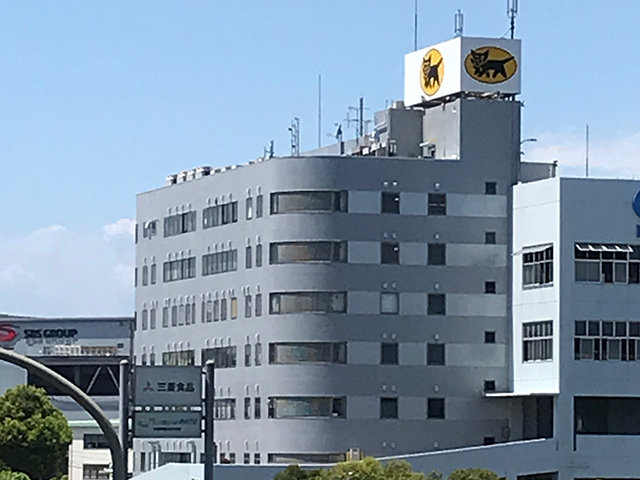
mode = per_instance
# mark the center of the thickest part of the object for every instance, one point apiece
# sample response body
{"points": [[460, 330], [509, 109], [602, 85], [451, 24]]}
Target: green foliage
{"points": [[8, 475], [34, 434], [367, 469], [474, 474]]}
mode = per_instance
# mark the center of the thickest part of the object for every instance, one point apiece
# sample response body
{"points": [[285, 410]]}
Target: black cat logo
{"points": [[490, 65], [432, 72]]}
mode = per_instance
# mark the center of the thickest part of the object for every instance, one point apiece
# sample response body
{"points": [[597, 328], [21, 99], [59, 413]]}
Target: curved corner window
{"points": [[308, 302], [305, 407], [312, 352], [307, 252], [304, 202]]}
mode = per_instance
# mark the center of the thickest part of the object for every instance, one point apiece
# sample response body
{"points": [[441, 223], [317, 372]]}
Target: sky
{"points": [[101, 99]]}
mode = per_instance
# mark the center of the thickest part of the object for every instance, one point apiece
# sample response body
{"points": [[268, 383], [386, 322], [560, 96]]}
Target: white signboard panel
{"points": [[167, 424], [462, 64], [168, 386]]}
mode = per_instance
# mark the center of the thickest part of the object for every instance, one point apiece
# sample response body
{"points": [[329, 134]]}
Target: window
{"points": [[94, 440], [607, 262], [489, 286], [302, 202], [223, 357], [490, 188], [607, 340], [223, 310], [388, 407], [216, 310], [437, 254], [249, 208], [224, 409], [180, 223], [256, 459], [489, 385], [165, 317], [152, 318], [145, 319], [490, 238], [182, 269], [187, 314], [313, 352], [208, 311], [247, 306], [95, 472], [307, 252], [153, 273], [232, 457], [607, 415], [234, 308], [179, 359], [219, 262], [247, 459], [258, 304], [297, 458], [135, 277], [247, 257], [247, 355], [247, 408], [537, 341], [489, 336], [145, 276], [435, 354], [259, 255], [437, 204], [174, 316], [537, 266], [489, 440], [149, 229], [390, 202], [257, 359], [389, 253], [220, 215], [308, 302], [305, 407], [389, 354], [390, 303], [259, 206], [435, 408], [436, 304], [257, 408]]}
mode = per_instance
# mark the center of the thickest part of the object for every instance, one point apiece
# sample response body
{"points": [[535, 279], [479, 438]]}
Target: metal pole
{"points": [[124, 412], [84, 400], [415, 25], [587, 152], [320, 110], [209, 445]]}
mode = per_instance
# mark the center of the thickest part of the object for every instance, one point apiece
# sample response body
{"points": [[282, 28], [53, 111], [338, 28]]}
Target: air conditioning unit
{"points": [[428, 150], [354, 455]]}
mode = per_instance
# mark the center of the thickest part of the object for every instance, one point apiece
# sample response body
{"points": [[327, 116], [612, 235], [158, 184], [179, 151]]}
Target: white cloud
{"points": [[55, 271], [612, 157]]}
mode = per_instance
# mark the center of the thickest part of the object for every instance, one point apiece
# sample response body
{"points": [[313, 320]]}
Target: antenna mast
{"points": [[415, 26], [295, 136], [587, 151], [320, 110], [458, 24], [512, 13]]}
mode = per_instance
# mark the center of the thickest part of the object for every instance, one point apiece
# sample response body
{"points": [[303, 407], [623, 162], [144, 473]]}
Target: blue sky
{"points": [[100, 100]]}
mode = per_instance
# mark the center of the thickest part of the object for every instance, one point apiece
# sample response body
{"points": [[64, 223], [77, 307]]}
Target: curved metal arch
{"points": [[56, 380]]}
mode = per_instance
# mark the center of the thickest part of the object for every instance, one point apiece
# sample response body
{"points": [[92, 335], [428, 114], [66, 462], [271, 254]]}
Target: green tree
{"points": [[474, 474], [294, 472], [34, 434], [367, 469], [9, 475]]}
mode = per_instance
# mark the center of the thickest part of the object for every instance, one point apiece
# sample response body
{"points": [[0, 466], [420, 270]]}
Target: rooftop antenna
{"points": [[295, 136], [458, 24], [320, 110], [268, 152], [359, 120], [512, 13], [587, 151], [415, 26]]}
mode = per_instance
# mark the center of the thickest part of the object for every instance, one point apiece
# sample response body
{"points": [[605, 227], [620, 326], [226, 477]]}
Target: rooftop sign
{"points": [[463, 64]]}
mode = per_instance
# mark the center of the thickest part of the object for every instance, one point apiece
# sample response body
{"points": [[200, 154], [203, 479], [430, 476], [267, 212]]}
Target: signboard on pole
{"points": [[155, 386], [167, 424]]}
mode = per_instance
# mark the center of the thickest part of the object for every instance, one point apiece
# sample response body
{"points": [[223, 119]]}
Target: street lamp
{"points": [[530, 139]]}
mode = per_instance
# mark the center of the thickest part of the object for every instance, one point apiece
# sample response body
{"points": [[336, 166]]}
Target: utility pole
{"points": [[124, 412]]}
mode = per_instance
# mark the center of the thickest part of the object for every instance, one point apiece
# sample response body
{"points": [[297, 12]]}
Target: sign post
{"points": [[209, 445]]}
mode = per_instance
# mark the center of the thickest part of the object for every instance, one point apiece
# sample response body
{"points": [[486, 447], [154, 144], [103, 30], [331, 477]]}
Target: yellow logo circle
{"points": [[490, 65], [432, 72]]}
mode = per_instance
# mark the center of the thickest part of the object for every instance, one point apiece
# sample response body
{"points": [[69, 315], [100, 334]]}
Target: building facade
{"points": [[86, 351], [349, 301]]}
